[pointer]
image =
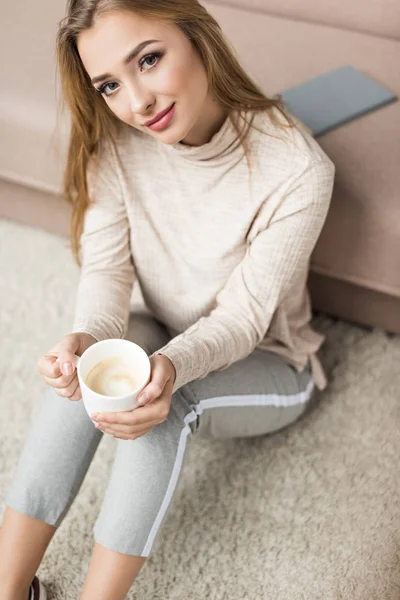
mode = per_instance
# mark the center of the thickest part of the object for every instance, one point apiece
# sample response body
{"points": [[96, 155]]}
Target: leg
{"points": [[57, 453], [255, 396], [144, 476], [19, 566], [145, 473], [110, 574]]}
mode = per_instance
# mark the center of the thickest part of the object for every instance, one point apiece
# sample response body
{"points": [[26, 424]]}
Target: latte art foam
{"points": [[111, 377]]}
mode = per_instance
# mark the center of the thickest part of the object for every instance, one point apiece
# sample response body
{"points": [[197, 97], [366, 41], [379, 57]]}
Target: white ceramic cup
{"points": [[131, 353]]}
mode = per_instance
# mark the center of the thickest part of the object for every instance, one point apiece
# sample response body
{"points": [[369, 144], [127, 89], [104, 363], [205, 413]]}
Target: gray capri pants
{"points": [[254, 396]]}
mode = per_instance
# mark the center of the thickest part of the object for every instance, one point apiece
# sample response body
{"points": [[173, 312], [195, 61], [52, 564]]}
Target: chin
{"points": [[173, 141], [168, 137]]}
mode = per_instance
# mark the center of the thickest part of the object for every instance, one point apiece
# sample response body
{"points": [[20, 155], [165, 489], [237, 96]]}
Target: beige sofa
{"points": [[355, 268]]}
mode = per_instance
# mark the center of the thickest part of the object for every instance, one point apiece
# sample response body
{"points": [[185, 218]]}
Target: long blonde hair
{"points": [[92, 122]]}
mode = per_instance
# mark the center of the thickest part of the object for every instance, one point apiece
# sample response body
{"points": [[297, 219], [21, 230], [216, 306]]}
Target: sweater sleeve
{"points": [[279, 250], [107, 274]]}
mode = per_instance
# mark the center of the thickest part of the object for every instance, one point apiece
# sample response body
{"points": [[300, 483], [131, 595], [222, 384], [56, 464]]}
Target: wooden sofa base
{"points": [[33, 207], [354, 303]]}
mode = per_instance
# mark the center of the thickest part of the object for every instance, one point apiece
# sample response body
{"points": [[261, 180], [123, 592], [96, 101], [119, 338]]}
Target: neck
{"points": [[210, 121]]}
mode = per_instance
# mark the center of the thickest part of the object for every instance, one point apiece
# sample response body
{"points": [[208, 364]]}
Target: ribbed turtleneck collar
{"points": [[221, 145]]}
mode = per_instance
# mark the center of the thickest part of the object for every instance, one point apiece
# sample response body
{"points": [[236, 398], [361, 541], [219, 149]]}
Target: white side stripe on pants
{"points": [[251, 400]]}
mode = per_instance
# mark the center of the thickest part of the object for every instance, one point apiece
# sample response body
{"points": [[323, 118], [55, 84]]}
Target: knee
{"points": [[145, 331], [30, 495]]}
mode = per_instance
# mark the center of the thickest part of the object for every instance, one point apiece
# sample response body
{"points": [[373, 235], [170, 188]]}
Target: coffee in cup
{"points": [[112, 376]]}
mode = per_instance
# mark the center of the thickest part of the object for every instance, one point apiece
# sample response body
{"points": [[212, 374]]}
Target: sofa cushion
{"points": [[32, 150], [381, 17], [360, 242]]}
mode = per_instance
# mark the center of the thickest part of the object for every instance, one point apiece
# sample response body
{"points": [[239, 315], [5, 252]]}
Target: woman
{"points": [[185, 178]]}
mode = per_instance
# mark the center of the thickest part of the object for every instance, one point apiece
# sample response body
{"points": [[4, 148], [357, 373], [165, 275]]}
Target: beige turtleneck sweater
{"points": [[221, 258]]}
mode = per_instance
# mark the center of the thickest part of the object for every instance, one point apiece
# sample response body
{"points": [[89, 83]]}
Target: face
{"points": [[167, 72]]}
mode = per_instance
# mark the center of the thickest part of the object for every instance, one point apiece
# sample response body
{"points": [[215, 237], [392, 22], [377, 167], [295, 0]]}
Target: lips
{"points": [[159, 116]]}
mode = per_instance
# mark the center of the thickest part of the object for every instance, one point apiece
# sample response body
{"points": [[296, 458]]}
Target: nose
{"points": [[140, 98]]}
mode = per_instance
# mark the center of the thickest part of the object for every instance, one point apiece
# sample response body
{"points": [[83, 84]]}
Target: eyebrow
{"points": [[126, 60]]}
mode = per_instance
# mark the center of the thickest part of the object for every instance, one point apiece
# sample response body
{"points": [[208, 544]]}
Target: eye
{"points": [[150, 57], [102, 88], [153, 58]]}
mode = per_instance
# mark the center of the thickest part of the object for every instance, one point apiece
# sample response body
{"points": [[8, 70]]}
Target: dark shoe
{"points": [[37, 590]]}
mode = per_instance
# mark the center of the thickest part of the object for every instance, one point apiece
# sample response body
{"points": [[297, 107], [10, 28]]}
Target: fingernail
{"points": [[67, 368]]}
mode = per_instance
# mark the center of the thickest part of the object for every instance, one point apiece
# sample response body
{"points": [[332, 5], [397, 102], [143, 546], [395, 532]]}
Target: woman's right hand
{"points": [[61, 374]]}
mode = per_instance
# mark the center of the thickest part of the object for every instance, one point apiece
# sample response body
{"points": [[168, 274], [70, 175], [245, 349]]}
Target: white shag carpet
{"points": [[309, 513]]}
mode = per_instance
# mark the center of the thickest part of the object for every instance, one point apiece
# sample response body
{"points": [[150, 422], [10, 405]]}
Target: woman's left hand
{"points": [[157, 395]]}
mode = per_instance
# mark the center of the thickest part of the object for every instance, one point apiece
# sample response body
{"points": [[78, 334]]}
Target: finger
{"points": [[61, 382], [137, 416], [125, 428], [48, 366], [77, 395], [66, 357], [69, 391], [157, 384], [127, 436], [121, 436], [151, 392]]}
